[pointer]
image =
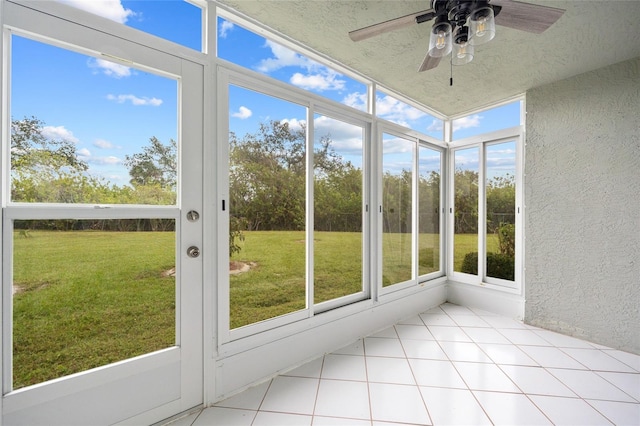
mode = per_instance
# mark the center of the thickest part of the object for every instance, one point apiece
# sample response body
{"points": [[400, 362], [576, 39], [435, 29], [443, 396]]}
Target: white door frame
{"points": [[153, 386]]}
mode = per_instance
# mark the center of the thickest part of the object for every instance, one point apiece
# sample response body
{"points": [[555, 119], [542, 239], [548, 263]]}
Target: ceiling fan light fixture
{"points": [[462, 50], [482, 25], [440, 43]]}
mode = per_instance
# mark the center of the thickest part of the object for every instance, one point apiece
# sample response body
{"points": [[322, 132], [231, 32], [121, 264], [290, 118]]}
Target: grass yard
{"points": [[85, 299], [88, 298]]}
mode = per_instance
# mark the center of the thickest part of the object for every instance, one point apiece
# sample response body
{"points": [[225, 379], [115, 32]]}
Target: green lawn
{"points": [[86, 299], [89, 298]]}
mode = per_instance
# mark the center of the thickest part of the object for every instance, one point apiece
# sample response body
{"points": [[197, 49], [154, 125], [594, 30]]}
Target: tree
{"points": [[156, 165]]}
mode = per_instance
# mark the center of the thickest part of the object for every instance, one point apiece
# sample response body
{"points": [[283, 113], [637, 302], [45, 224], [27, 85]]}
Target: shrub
{"points": [[499, 265]]}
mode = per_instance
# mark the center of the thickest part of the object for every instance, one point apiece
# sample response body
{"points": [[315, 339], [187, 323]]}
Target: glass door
{"points": [[102, 228]]}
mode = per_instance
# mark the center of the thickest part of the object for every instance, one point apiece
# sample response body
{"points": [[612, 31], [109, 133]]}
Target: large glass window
{"points": [[338, 221], [178, 21], [429, 169], [87, 130], [275, 60], [397, 209], [392, 109], [267, 215], [88, 293], [486, 121], [500, 190], [465, 209]]}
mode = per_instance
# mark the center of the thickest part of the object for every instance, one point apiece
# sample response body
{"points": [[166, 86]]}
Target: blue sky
{"points": [[110, 110]]}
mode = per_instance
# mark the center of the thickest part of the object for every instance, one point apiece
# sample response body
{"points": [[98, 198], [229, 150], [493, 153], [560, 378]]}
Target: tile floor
{"points": [[450, 365]]}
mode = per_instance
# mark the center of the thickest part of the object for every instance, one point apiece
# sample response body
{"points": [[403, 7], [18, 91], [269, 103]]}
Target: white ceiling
{"points": [[590, 35]]}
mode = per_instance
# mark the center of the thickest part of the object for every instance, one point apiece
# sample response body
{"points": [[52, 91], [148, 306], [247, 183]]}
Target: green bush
{"points": [[498, 265]]}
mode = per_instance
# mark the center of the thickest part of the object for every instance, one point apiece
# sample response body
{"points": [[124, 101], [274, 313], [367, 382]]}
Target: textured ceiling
{"points": [[590, 35]]}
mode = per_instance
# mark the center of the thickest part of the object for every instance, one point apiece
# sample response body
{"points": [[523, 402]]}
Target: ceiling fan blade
{"points": [[390, 25], [528, 17], [429, 62]]}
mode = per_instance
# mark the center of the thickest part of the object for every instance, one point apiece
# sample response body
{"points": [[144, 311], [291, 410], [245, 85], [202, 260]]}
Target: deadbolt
{"points": [[193, 215], [193, 251]]}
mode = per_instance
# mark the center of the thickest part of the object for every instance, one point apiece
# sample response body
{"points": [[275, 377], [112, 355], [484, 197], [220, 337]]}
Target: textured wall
{"points": [[582, 196]]}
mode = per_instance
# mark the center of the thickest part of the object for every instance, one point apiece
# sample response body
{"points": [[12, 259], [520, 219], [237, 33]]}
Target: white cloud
{"points": [[435, 126], [294, 123], [85, 155], [356, 100], [283, 57], [396, 146], [110, 9], [59, 132], [467, 122], [346, 138], [243, 113], [109, 68], [225, 28], [103, 144], [136, 101], [392, 109], [324, 80]]}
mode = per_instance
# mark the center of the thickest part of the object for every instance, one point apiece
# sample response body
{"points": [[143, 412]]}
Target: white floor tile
{"points": [[225, 416], [397, 403], [416, 332], [469, 367], [619, 413], [450, 308], [374, 346], [596, 359], [562, 341], [523, 337], [448, 334], [468, 320], [389, 333], [336, 421], [548, 356], [425, 349], [627, 382], [464, 351], [310, 369], [589, 385], [485, 377], [356, 348], [632, 360], [416, 320], [504, 323], [291, 395], [389, 370], [510, 409], [506, 354], [437, 319], [536, 381], [250, 399], [344, 367], [485, 335], [453, 407], [434, 310], [280, 419], [340, 398], [436, 374], [186, 420], [568, 411]]}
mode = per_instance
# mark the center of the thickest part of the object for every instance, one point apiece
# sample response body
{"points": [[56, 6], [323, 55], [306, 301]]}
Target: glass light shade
{"points": [[440, 41], [482, 25], [462, 53]]}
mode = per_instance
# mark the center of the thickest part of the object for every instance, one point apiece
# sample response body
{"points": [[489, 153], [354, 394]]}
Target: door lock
{"points": [[193, 252]]}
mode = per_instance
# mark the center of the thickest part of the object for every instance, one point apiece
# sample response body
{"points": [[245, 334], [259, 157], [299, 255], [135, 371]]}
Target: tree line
{"points": [[267, 185]]}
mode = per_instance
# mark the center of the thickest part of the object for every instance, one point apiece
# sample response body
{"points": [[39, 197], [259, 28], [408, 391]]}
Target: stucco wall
{"points": [[582, 196]]}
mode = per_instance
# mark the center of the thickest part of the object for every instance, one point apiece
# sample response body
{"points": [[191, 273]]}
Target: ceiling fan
{"points": [[459, 25]]}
